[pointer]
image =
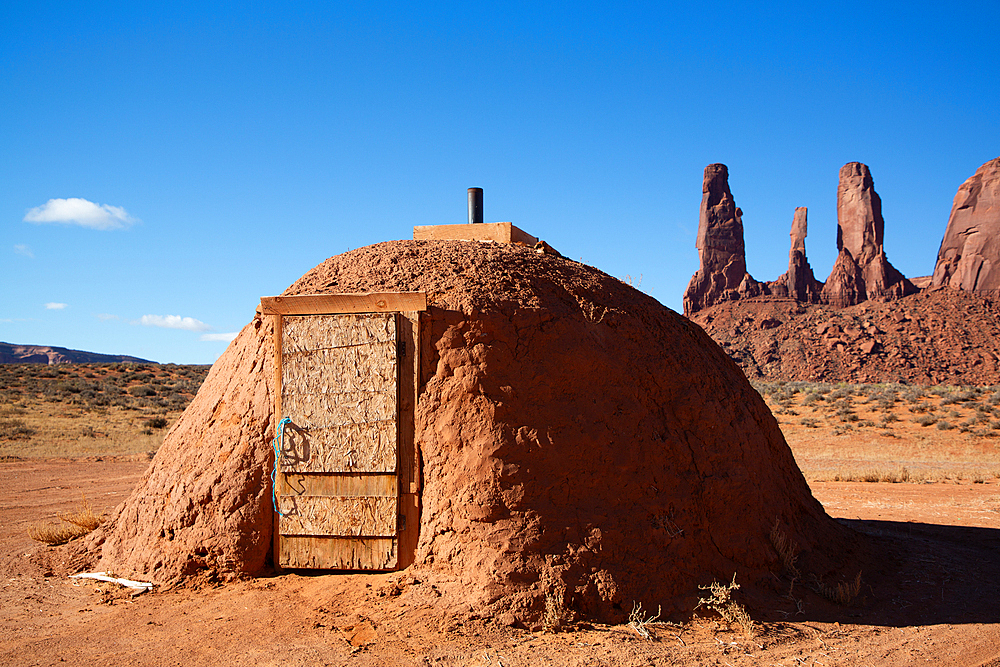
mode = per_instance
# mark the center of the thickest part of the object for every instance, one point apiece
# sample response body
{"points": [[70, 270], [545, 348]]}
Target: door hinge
{"points": [[401, 348]]}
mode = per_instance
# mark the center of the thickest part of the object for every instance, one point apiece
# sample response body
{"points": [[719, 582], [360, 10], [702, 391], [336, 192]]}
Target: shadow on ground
{"points": [[922, 574]]}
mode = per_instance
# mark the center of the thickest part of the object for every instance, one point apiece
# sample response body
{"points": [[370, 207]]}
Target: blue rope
{"points": [[277, 453]]}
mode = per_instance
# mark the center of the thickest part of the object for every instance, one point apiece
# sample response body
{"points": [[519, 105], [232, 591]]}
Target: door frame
{"points": [[408, 306]]}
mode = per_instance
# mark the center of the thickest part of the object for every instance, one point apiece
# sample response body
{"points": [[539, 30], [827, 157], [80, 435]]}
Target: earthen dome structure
{"points": [[577, 441]]}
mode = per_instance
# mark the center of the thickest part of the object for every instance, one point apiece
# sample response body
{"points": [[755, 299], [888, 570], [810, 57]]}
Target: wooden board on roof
{"points": [[500, 232]]}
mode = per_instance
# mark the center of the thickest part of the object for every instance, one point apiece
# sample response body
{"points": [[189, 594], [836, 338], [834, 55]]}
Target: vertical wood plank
{"points": [[409, 533], [276, 325], [409, 457]]}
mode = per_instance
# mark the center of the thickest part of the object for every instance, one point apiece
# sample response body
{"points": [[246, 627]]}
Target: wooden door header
{"points": [[332, 304]]}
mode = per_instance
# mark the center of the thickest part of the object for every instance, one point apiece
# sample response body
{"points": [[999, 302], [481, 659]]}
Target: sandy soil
{"points": [[935, 602]]}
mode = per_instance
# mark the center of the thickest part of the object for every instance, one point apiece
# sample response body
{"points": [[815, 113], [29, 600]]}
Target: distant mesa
{"points": [[45, 354], [969, 257]]}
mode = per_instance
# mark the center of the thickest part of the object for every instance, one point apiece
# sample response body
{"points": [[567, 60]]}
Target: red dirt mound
{"points": [[583, 447], [938, 336]]}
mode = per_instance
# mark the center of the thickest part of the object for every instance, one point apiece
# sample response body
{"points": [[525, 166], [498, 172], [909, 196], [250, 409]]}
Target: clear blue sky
{"points": [[216, 152]]}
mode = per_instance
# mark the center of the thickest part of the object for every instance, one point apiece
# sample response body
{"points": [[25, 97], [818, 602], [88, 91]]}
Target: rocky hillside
{"points": [[44, 354], [938, 336]]}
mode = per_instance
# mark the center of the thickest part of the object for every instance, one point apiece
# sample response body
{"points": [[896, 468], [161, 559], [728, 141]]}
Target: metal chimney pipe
{"points": [[475, 205]]}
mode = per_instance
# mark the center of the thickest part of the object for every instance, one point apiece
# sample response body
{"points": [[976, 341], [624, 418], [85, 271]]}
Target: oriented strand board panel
{"points": [[339, 389], [364, 447], [360, 516], [303, 334], [501, 232]]}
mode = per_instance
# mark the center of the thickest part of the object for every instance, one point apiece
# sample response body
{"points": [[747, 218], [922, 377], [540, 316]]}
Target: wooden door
{"points": [[336, 484]]}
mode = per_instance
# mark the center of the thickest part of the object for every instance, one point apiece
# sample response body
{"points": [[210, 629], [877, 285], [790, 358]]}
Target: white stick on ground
{"points": [[103, 576]]}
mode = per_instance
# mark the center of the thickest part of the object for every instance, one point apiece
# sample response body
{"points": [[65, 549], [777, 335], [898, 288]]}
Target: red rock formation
{"points": [[799, 282], [722, 274], [937, 336], [860, 229], [969, 257], [845, 286]]}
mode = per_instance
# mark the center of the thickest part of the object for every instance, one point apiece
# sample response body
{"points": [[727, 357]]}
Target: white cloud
{"points": [[21, 249], [76, 211], [105, 317], [173, 322], [52, 305], [224, 337]]}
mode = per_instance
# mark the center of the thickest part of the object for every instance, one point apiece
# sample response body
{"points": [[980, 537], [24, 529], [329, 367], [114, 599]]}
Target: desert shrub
{"points": [[958, 396], [866, 423], [809, 422], [842, 392], [156, 422], [15, 429], [923, 406], [812, 397], [786, 394], [842, 594], [926, 420], [142, 390], [944, 425]]}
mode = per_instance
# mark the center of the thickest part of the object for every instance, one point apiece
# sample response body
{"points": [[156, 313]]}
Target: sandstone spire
{"points": [[860, 227], [969, 257], [800, 281], [722, 274]]}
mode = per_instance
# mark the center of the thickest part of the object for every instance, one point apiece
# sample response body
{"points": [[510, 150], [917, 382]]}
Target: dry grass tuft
{"points": [[842, 594], [556, 617], [638, 620], [56, 534], [74, 525], [84, 517], [731, 612], [787, 550]]}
